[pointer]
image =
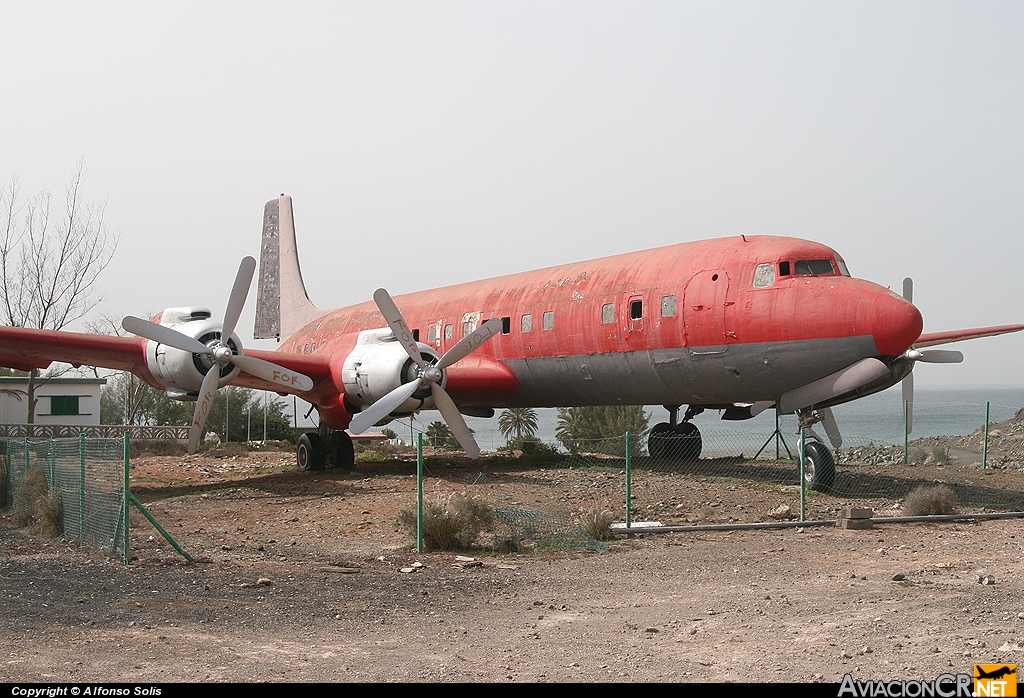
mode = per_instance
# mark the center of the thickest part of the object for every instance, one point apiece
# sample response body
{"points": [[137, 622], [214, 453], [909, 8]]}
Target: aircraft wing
{"points": [[932, 339], [26, 349], [316, 366]]}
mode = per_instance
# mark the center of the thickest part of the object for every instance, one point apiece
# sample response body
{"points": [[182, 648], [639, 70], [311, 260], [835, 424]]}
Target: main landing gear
{"points": [[673, 441], [315, 451]]}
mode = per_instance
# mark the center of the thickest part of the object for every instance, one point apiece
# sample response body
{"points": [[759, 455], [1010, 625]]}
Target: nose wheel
{"points": [[819, 466]]}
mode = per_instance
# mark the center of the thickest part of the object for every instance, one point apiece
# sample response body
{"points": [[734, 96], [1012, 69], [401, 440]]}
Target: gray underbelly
{"points": [[707, 375]]}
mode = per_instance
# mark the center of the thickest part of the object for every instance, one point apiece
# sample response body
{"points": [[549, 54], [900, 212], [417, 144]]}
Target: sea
{"points": [[877, 419]]}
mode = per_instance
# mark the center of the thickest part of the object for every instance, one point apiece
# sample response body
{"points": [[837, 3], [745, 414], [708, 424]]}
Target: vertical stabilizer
{"points": [[282, 305]]}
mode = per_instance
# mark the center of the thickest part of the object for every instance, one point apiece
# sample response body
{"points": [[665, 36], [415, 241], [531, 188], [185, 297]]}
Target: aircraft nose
{"points": [[897, 324]]}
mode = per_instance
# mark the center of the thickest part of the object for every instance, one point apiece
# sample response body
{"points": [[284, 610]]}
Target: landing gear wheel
{"points": [[682, 443], [340, 453], [310, 453], [658, 440], [688, 443], [819, 466]]}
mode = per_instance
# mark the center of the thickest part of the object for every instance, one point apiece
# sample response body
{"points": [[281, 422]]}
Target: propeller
{"points": [[428, 374], [928, 356], [219, 351]]}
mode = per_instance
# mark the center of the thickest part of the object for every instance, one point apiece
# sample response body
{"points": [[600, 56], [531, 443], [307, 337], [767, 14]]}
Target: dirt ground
{"points": [[299, 577]]}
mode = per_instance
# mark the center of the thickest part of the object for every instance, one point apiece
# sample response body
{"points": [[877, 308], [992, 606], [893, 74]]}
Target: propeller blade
{"points": [[236, 301], [383, 407], [469, 343], [163, 335], [828, 420], [908, 289], [908, 400], [397, 324], [272, 372], [453, 417], [940, 356], [203, 405]]}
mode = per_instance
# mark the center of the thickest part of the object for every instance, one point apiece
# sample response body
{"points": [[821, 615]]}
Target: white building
{"points": [[71, 401]]}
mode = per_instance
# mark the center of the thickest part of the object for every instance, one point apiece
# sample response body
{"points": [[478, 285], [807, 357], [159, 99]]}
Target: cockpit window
{"points": [[814, 267], [764, 275], [842, 266]]}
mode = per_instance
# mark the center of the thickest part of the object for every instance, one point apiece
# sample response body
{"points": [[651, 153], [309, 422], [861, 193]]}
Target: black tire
{"points": [[658, 440], [819, 466], [340, 452], [688, 443], [310, 453], [682, 443]]}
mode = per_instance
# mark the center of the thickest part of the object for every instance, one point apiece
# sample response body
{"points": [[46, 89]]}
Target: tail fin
{"points": [[282, 304]]}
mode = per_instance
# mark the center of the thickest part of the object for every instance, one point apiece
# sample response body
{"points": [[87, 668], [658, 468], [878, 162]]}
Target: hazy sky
{"points": [[430, 143]]}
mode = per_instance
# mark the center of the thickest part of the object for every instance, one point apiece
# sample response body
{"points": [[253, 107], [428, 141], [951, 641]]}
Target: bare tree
{"points": [[49, 262]]}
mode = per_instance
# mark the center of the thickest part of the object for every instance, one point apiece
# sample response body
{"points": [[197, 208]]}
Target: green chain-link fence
{"points": [[89, 473]]}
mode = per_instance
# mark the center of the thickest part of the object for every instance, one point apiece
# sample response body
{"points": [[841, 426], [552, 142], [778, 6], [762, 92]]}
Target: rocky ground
{"points": [[299, 577]]}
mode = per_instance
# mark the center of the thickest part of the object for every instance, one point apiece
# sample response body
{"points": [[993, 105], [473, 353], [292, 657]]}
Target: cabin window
{"points": [[431, 334], [608, 313], [814, 267], [64, 405], [506, 325], [668, 306], [636, 309], [549, 320], [415, 335], [764, 275], [783, 268], [527, 323], [449, 332]]}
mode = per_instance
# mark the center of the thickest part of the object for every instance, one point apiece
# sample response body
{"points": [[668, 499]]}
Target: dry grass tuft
{"points": [[36, 506], [597, 522], [930, 501], [451, 522]]}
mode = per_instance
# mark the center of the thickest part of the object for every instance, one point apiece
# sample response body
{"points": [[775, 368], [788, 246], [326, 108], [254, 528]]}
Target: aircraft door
{"points": [[705, 305]]}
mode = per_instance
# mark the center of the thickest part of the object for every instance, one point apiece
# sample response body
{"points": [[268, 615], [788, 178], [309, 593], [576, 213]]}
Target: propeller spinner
{"points": [[428, 374], [218, 351]]}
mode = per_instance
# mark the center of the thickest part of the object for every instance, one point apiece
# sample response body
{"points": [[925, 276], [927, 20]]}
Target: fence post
{"points": [[984, 457], [52, 480], [803, 479], [81, 488], [124, 510], [629, 480], [419, 492]]}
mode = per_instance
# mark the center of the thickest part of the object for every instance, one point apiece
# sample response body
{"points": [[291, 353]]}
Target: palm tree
{"points": [[438, 434], [518, 421]]}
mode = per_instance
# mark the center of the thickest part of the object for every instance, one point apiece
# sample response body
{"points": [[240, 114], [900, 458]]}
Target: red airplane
{"points": [[737, 324]]}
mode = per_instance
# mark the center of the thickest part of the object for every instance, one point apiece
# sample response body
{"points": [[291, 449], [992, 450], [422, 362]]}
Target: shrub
{"points": [[450, 522], [36, 505], [930, 500], [597, 522]]}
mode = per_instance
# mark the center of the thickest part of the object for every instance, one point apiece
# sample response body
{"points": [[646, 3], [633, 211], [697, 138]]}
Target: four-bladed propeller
{"points": [[219, 352], [928, 356], [429, 373]]}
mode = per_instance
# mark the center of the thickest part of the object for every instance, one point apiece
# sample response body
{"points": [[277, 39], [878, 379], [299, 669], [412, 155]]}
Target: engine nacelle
{"points": [[378, 364], [182, 372]]}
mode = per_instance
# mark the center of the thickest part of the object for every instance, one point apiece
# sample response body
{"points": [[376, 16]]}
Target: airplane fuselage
{"points": [[708, 323]]}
